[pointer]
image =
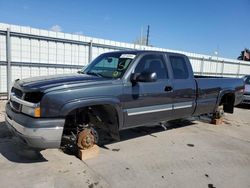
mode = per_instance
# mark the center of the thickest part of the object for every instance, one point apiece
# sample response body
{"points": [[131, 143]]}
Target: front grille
{"points": [[15, 106], [19, 94], [32, 97]]}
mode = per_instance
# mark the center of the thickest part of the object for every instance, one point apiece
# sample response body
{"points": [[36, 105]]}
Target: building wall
{"points": [[37, 52]]}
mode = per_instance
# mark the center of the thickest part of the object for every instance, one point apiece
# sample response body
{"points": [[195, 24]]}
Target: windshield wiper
{"points": [[80, 72], [95, 74]]}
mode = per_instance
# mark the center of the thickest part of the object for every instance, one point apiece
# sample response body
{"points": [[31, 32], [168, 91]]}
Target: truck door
{"points": [[184, 87], [145, 102]]}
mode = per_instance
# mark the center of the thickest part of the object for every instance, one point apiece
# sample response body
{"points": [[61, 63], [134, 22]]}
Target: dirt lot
{"points": [[188, 154]]}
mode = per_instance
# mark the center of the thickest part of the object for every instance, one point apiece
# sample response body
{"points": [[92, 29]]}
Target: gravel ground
{"points": [[187, 154]]}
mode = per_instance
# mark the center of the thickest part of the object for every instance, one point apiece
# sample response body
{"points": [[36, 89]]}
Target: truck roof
{"points": [[146, 51]]}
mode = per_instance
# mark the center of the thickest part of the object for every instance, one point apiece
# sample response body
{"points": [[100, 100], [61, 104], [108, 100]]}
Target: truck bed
{"points": [[209, 88]]}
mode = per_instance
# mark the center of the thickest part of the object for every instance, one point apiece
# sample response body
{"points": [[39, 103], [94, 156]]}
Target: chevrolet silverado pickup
{"points": [[246, 96], [117, 91]]}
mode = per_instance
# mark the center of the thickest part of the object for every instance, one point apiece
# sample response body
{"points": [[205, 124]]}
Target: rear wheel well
{"points": [[227, 100]]}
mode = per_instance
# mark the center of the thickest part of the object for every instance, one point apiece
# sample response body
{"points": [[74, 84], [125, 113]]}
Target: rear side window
{"points": [[152, 63], [179, 67]]}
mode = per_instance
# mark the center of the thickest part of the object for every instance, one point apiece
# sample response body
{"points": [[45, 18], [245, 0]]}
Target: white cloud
{"points": [[56, 28]]}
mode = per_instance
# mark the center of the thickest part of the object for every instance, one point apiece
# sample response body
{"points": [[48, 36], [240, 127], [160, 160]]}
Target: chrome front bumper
{"points": [[35, 132]]}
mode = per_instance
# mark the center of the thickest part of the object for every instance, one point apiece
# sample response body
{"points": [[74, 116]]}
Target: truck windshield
{"points": [[109, 65]]}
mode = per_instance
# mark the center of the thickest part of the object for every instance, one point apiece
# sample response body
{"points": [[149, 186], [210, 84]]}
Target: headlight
{"points": [[32, 111], [33, 97]]}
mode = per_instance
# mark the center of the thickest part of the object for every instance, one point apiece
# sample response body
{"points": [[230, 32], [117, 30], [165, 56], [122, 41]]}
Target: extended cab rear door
{"points": [[184, 87]]}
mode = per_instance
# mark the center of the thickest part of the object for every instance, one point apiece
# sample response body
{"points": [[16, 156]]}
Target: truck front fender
{"points": [[81, 103]]}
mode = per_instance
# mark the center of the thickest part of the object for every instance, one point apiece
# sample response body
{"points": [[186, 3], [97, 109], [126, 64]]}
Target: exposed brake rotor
{"points": [[87, 138]]}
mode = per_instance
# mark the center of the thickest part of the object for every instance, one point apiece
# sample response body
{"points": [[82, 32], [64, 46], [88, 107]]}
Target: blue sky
{"points": [[194, 25]]}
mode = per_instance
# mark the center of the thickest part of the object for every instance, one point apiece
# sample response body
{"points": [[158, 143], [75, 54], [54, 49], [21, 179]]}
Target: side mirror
{"points": [[144, 77]]}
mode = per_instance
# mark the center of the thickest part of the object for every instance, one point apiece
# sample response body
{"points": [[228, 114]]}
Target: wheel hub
{"points": [[87, 138]]}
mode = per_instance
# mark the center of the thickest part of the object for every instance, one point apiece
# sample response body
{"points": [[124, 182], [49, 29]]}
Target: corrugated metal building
{"points": [[35, 52]]}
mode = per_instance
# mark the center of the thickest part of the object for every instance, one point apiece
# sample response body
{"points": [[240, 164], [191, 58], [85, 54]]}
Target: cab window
{"points": [[179, 67], [152, 63]]}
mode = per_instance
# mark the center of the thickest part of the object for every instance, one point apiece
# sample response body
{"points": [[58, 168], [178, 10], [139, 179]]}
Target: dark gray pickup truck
{"points": [[117, 91], [246, 97]]}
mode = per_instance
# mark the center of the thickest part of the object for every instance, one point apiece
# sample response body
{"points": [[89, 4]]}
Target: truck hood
{"points": [[47, 82]]}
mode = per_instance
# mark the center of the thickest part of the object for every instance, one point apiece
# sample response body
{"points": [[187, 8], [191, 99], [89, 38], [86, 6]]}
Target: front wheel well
{"points": [[101, 117]]}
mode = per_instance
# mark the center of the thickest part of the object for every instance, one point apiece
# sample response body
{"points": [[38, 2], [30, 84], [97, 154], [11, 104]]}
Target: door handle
{"points": [[168, 89]]}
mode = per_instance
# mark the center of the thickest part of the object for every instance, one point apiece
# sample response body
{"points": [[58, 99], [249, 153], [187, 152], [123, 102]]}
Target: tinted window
{"points": [[152, 63], [179, 67]]}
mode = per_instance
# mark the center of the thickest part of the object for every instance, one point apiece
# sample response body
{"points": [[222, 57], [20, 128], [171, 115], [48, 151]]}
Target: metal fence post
{"points": [[222, 68], [217, 63], [8, 59], [90, 50], [238, 71], [202, 66]]}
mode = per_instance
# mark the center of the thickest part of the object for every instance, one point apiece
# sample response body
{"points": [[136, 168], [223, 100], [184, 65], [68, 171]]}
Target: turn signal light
{"points": [[37, 112]]}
